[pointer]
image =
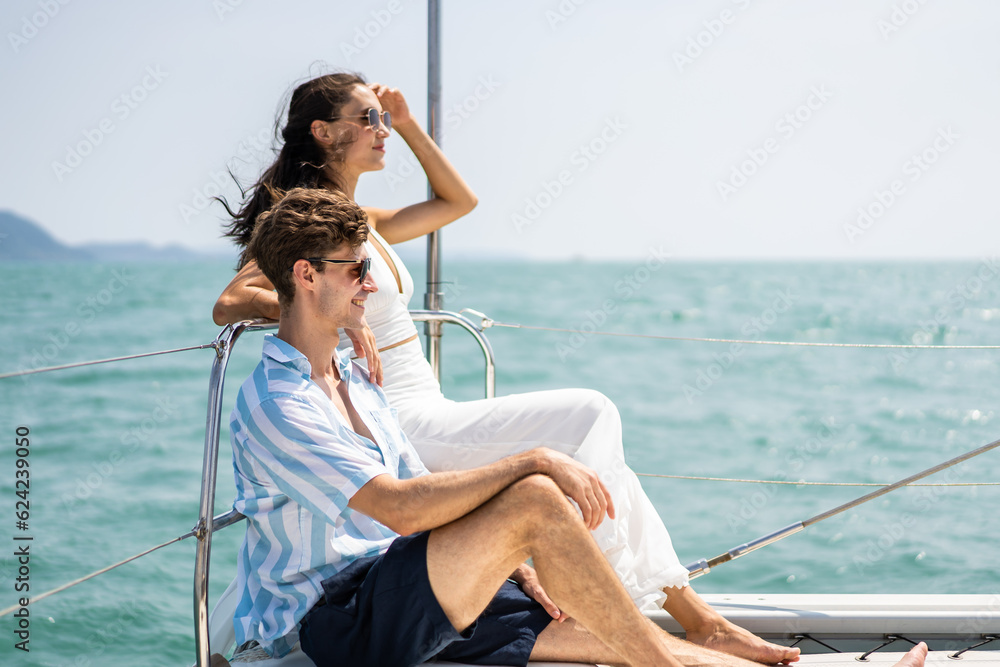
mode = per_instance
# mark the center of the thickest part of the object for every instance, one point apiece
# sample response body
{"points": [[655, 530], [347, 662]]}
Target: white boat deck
{"points": [[935, 658], [853, 624], [852, 615]]}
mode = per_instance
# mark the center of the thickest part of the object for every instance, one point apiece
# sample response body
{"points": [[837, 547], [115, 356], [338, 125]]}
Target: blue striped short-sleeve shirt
{"points": [[297, 464]]}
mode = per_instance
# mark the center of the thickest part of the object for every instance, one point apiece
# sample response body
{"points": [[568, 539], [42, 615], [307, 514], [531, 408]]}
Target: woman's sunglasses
{"points": [[373, 117]]}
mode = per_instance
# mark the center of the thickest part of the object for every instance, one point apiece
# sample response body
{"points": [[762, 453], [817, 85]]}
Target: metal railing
{"points": [[210, 463], [433, 296], [449, 317], [206, 524]]}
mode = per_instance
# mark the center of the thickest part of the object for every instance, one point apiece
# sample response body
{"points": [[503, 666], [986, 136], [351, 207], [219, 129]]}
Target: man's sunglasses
{"points": [[365, 263], [373, 117]]}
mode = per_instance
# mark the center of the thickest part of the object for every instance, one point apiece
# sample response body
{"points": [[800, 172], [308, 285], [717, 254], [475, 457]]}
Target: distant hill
{"points": [[24, 240]]}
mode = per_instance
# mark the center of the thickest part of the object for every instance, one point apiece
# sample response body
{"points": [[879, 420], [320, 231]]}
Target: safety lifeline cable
{"points": [[703, 566], [94, 362], [218, 523]]}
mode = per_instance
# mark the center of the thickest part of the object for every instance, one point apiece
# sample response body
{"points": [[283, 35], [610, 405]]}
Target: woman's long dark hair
{"points": [[301, 161]]}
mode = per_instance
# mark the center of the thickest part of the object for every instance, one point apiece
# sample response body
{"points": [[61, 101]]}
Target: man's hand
{"points": [[527, 579], [365, 348], [581, 484]]}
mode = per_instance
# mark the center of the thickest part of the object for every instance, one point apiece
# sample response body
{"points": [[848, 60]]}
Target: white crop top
{"points": [[387, 310]]}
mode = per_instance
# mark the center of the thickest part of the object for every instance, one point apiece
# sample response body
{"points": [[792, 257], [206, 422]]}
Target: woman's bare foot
{"points": [[915, 658], [734, 640]]}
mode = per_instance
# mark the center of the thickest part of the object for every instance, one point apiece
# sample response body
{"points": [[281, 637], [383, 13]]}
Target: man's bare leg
{"points": [[570, 641], [469, 559], [706, 627]]}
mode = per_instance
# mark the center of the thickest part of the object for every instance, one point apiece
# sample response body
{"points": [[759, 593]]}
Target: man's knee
{"points": [[538, 497], [536, 485]]}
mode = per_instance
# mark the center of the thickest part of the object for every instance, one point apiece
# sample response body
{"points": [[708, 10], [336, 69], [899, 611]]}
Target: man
{"points": [[355, 550]]}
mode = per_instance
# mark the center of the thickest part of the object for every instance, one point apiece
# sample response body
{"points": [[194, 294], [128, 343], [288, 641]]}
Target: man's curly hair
{"points": [[305, 222]]}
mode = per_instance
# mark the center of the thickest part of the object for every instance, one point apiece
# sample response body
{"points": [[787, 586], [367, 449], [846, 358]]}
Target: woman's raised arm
{"points": [[453, 197]]}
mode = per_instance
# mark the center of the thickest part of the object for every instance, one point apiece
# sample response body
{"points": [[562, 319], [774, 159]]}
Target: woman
{"points": [[335, 131]]}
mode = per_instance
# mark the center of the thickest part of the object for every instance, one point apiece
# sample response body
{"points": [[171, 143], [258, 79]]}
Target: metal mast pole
{"points": [[433, 297]]}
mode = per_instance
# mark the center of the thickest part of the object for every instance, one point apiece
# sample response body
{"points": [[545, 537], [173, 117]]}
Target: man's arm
{"points": [[427, 502]]}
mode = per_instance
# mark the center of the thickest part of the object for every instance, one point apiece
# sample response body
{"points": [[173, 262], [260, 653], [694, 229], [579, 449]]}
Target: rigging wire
{"points": [[487, 322], [806, 635], [219, 522], [803, 482], [986, 640], [885, 346], [889, 639], [704, 566], [104, 361], [35, 599]]}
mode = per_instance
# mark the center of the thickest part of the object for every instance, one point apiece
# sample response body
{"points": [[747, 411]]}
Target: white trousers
{"points": [[580, 423]]}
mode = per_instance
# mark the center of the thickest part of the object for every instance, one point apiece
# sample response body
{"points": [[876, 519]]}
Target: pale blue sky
{"points": [[723, 129]]}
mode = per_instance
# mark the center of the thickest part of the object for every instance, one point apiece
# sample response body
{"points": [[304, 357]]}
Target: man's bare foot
{"points": [[915, 658], [707, 627], [734, 640]]}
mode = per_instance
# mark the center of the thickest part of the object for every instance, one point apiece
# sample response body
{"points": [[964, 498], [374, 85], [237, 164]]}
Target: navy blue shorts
{"points": [[380, 611]]}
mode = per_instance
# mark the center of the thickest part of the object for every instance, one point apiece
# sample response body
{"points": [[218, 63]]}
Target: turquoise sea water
{"points": [[116, 450]]}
